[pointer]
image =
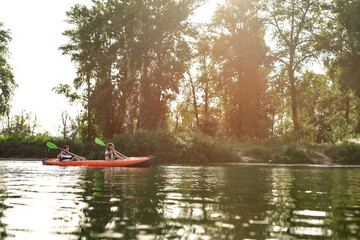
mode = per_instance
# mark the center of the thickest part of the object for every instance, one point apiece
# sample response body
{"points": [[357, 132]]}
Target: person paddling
{"points": [[65, 155], [110, 153]]}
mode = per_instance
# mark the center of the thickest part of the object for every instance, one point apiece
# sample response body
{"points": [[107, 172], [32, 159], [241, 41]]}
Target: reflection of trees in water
{"points": [[3, 196], [242, 201], [118, 200], [259, 203], [221, 202], [345, 202], [312, 203], [209, 201]]}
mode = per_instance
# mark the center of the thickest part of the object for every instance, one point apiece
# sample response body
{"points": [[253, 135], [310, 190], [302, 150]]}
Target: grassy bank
{"points": [[186, 148], [291, 153]]}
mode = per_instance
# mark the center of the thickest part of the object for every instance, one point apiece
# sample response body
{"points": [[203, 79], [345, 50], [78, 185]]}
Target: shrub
{"points": [[200, 148], [292, 154], [345, 153], [165, 146]]}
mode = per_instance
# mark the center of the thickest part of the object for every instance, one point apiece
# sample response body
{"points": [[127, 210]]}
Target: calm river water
{"points": [[178, 202]]}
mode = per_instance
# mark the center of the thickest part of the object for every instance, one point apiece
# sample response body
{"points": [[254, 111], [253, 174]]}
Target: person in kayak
{"points": [[64, 155], [110, 153]]}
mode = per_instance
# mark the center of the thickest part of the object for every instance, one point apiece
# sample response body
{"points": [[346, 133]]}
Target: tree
{"points": [[7, 82], [164, 51], [82, 49], [129, 55], [69, 127], [203, 74], [340, 39], [241, 54], [313, 89], [23, 124], [294, 27]]}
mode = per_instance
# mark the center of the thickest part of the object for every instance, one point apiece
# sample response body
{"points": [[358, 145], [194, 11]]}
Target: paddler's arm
{"points": [[59, 155], [107, 154]]}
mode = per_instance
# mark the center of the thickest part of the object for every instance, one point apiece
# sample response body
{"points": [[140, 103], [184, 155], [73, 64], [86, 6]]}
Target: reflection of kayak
{"points": [[127, 162]]}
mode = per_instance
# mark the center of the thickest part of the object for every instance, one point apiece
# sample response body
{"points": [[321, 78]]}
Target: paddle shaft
{"points": [[98, 141], [72, 154], [122, 155]]}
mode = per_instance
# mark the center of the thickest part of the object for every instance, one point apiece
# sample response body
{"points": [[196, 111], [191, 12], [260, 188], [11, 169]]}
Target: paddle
{"points": [[98, 141], [53, 146]]}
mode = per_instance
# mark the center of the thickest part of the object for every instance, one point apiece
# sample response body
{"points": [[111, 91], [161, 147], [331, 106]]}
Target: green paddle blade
{"points": [[98, 141], [51, 145]]}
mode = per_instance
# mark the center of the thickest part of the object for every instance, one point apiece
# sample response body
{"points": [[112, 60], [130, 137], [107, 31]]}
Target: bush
{"points": [[161, 144], [204, 149], [166, 147], [23, 147], [345, 153], [293, 154]]}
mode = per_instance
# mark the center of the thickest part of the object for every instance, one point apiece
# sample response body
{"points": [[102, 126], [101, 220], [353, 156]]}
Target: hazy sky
{"points": [[37, 62]]}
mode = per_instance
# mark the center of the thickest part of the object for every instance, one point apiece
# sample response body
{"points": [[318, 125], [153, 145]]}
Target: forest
{"points": [[282, 70]]}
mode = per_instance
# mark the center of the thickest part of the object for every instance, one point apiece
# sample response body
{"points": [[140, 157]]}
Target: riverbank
{"points": [[347, 152], [293, 165], [187, 148], [317, 158]]}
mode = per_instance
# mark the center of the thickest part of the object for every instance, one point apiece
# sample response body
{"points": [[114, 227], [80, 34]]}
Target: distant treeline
{"points": [[248, 73]]}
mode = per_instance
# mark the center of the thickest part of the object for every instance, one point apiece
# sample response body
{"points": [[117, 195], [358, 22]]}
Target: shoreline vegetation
{"points": [[186, 148]]}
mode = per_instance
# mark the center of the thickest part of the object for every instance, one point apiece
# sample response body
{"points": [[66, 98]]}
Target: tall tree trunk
{"points": [[347, 109], [293, 96], [88, 113], [64, 118], [142, 79], [272, 124], [177, 117], [194, 102], [110, 109], [206, 92], [129, 121], [206, 100], [357, 129]]}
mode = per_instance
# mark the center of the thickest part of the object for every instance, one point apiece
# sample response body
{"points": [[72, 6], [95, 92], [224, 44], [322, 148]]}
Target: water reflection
{"points": [[119, 203], [2, 199], [38, 202], [318, 199], [178, 202]]}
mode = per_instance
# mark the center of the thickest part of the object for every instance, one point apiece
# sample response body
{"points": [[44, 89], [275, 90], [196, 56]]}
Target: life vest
{"points": [[65, 157], [112, 155]]}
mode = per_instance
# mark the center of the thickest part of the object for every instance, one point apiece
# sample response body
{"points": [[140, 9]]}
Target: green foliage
{"points": [[205, 149], [293, 154], [342, 47], [345, 153], [130, 58], [166, 147], [159, 143], [170, 148], [343, 43], [7, 82], [240, 50], [23, 147], [20, 125], [294, 44], [259, 153]]}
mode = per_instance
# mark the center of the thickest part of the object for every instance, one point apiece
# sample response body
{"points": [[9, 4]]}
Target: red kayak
{"points": [[127, 162]]}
